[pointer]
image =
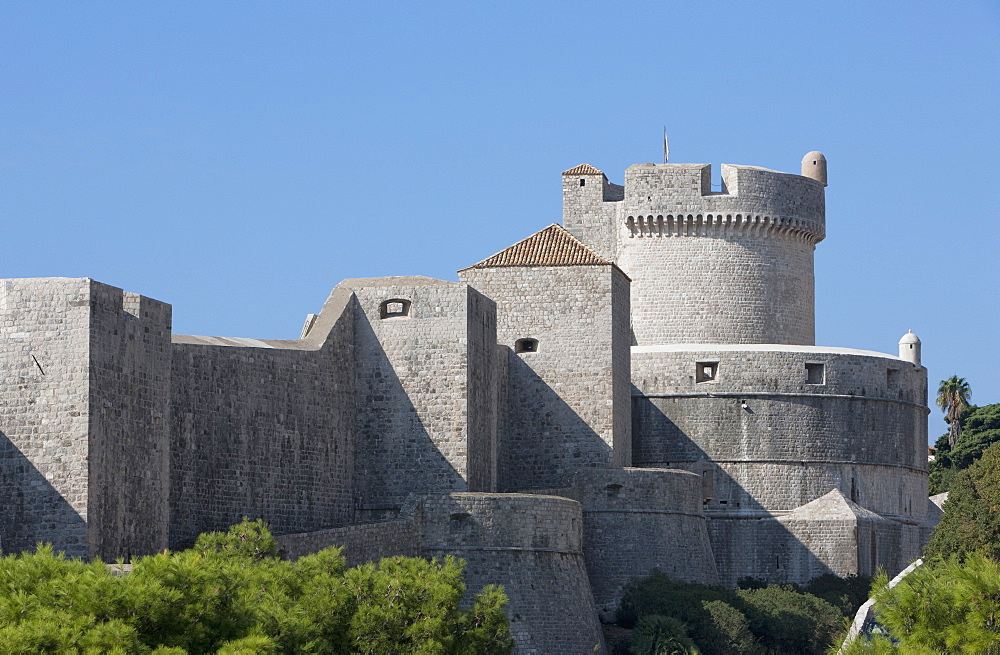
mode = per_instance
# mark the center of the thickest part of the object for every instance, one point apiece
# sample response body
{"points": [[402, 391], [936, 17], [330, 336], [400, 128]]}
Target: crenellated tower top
{"points": [[733, 265]]}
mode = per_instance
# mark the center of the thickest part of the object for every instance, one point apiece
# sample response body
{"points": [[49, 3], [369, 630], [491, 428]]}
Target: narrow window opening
{"points": [[613, 490], [854, 490], [394, 308], [526, 346], [583, 181], [706, 371], [815, 373]]}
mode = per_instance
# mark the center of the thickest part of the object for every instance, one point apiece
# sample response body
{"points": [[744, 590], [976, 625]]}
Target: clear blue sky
{"points": [[238, 159]]}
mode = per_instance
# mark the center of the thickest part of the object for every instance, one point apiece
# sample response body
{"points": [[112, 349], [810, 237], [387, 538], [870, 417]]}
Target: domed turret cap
{"points": [[909, 337], [814, 166]]}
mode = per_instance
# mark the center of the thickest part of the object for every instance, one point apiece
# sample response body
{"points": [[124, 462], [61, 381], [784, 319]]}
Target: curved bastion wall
{"points": [[775, 427], [735, 256], [533, 546], [661, 512]]}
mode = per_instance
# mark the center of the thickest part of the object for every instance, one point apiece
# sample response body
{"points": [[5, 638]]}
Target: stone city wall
{"points": [[130, 373], [365, 542], [419, 397], [264, 429], [532, 546], [45, 413], [562, 393], [660, 511], [777, 441]]}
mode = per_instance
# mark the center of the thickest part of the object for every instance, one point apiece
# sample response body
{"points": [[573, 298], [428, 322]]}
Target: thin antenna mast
{"points": [[666, 146]]}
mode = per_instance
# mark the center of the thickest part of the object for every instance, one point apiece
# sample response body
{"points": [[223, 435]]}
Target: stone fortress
{"points": [[636, 388]]}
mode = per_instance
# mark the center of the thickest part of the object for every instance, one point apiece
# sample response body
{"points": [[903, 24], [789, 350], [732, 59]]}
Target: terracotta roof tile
{"points": [[553, 246], [584, 169]]}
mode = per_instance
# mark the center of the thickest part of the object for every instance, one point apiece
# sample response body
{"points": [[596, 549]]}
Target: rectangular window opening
{"points": [[815, 373], [706, 371]]}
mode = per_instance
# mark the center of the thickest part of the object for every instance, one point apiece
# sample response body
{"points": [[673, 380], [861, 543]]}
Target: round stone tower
{"points": [[732, 265], [533, 546]]}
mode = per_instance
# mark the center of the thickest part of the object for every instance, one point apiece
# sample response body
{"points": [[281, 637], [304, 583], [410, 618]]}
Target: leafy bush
{"points": [[231, 594], [980, 430], [759, 619], [658, 594], [661, 635], [971, 519], [788, 621], [846, 594]]}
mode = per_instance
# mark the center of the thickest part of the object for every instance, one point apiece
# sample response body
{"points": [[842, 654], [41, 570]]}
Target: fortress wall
{"points": [[481, 322], [660, 511], [621, 371], [562, 396], [532, 546], [44, 413], [365, 542], [504, 453], [263, 432], [719, 290], [791, 552], [130, 414], [862, 429], [414, 381]]}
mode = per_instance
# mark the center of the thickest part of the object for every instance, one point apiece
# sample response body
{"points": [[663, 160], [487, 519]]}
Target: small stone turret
{"points": [[814, 166], [909, 348]]}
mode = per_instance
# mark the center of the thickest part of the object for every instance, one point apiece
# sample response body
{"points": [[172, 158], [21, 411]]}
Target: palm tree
{"points": [[953, 397]]}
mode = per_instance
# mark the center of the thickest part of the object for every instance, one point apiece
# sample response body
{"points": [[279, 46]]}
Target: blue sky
{"points": [[238, 159]]}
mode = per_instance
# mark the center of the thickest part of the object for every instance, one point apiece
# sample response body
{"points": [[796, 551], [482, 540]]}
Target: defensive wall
{"points": [[564, 329], [661, 512], [533, 546], [779, 426], [264, 428], [668, 328], [83, 409], [426, 390]]}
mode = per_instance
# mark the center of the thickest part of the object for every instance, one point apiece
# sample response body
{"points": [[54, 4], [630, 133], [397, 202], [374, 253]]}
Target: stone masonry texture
{"points": [[638, 388]]}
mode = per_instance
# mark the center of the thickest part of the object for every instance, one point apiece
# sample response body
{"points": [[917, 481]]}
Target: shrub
{"points": [[231, 594]]}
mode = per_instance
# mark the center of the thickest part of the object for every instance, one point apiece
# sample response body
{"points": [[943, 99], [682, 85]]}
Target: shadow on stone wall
{"points": [[34, 511], [546, 440], [747, 540], [395, 452]]}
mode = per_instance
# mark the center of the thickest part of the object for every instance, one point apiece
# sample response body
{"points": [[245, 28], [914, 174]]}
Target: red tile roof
{"points": [[584, 169], [553, 246]]}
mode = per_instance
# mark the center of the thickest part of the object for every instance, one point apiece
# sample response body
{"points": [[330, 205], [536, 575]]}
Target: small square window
{"points": [[706, 371], [815, 374], [394, 308], [526, 346]]}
